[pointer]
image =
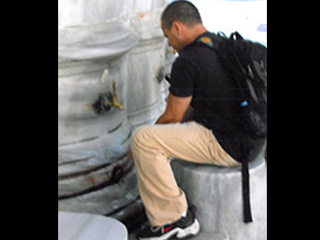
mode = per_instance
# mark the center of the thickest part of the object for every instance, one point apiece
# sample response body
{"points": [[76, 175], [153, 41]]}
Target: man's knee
{"points": [[141, 135]]}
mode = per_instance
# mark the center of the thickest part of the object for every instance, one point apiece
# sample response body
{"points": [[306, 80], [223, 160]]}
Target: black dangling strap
{"points": [[246, 192]]}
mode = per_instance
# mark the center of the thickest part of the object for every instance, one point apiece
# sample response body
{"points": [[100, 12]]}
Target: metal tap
{"points": [[114, 103], [106, 101]]}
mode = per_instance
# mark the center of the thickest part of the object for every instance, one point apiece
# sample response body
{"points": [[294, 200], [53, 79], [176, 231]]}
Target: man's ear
{"points": [[177, 28]]}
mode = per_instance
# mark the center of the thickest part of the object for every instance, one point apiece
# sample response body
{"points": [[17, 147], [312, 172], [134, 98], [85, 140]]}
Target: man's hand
{"points": [[176, 109]]}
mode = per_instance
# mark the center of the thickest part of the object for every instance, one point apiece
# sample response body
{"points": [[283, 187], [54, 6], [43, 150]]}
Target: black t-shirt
{"points": [[197, 72]]}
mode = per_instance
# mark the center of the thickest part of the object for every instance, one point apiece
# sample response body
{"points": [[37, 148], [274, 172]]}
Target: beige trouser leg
{"points": [[152, 147]]}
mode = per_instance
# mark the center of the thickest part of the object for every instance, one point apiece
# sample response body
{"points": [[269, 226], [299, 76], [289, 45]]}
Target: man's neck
{"points": [[193, 33]]}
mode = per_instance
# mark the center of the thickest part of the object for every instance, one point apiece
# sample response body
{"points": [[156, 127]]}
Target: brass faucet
{"points": [[114, 103], [106, 101], [172, 51]]}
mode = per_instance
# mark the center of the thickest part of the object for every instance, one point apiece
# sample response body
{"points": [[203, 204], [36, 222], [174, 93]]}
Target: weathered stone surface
{"points": [[83, 226], [217, 194], [147, 65]]}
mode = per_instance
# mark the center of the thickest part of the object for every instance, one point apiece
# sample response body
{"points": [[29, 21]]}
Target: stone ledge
{"points": [[217, 194]]}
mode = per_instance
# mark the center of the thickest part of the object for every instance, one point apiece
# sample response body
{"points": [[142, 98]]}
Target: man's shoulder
{"points": [[197, 49], [199, 55]]}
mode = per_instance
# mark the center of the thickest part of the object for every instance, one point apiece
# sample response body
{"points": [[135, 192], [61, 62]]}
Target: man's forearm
{"points": [[165, 119], [175, 110]]}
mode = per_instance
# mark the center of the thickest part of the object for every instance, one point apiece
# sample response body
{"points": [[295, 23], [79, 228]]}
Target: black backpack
{"points": [[246, 64]]}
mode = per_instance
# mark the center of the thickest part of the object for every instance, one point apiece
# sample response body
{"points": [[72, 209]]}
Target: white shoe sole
{"points": [[193, 229]]}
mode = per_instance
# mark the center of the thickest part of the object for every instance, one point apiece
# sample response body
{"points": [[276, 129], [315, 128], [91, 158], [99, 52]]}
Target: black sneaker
{"points": [[184, 227]]}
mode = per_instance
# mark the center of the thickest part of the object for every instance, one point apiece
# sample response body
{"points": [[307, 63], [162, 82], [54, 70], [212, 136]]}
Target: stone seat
{"points": [[84, 226], [217, 194]]}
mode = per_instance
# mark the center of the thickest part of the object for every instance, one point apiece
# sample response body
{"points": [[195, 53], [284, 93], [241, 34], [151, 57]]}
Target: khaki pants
{"points": [[152, 148]]}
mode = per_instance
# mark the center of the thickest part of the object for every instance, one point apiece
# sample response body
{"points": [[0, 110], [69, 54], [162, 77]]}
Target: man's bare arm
{"points": [[176, 109]]}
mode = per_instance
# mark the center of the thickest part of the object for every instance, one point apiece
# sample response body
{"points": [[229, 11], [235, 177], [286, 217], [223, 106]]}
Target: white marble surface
{"points": [[83, 226], [93, 42], [146, 66]]}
